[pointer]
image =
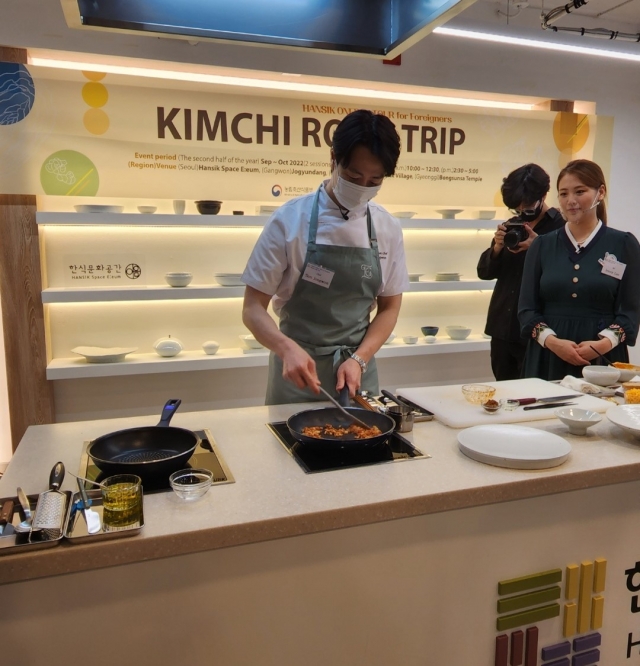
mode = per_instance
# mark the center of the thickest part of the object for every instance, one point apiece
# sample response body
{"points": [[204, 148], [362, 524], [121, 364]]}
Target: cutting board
{"points": [[450, 407]]}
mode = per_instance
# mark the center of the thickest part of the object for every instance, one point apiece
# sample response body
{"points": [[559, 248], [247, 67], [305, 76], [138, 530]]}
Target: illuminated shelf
{"points": [[164, 220], [146, 364], [161, 293]]}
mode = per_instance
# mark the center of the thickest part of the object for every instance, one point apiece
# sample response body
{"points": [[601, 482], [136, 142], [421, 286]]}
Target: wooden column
{"points": [[30, 394]]}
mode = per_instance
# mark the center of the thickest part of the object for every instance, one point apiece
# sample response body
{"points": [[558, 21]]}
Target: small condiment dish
{"points": [[578, 420], [191, 484], [491, 406], [147, 210], [210, 347], [390, 339], [601, 375], [178, 279], [429, 339], [410, 339]]}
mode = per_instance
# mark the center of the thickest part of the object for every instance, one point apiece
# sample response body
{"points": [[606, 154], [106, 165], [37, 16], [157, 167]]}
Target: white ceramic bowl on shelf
{"points": [[250, 342], [104, 354], [405, 214], [210, 347], [229, 279], [147, 210], [168, 347], [178, 279], [458, 332]]}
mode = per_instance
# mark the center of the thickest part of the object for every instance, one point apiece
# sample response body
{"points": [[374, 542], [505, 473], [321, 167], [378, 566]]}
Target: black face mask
{"points": [[530, 215]]}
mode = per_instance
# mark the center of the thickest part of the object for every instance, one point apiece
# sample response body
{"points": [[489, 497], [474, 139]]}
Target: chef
{"points": [[326, 261]]}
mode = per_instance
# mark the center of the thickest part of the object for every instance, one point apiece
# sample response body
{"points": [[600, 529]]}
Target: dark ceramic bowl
{"points": [[430, 330], [208, 207]]}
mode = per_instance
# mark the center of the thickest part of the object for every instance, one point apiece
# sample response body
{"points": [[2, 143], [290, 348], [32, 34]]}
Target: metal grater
{"points": [[50, 511]]}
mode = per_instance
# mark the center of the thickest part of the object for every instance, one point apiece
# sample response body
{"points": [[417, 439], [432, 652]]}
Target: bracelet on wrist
{"points": [[360, 361]]}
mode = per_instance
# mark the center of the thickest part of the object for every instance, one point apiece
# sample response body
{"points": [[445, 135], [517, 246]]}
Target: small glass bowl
{"points": [[477, 394], [491, 406], [510, 405], [191, 484]]}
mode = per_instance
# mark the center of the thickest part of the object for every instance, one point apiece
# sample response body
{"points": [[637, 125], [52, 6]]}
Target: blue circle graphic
{"points": [[276, 190], [17, 93]]}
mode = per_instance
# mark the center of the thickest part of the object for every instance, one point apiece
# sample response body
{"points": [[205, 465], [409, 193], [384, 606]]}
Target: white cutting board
{"points": [[450, 407]]}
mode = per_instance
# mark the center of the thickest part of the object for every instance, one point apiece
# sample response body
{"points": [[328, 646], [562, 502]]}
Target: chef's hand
{"points": [[498, 239], [567, 350], [526, 244], [603, 346], [298, 367], [349, 374]]}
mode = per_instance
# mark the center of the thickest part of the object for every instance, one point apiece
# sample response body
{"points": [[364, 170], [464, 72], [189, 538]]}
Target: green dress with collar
{"points": [[566, 290]]}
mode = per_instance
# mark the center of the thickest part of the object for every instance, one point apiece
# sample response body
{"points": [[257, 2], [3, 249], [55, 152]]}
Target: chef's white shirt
{"points": [[277, 260]]}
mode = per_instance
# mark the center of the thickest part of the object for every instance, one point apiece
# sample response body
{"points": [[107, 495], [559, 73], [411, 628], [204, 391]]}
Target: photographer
{"points": [[524, 192]]}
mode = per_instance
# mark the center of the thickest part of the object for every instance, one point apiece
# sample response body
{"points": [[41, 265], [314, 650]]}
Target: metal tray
{"points": [[21, 542], [75, 529]]}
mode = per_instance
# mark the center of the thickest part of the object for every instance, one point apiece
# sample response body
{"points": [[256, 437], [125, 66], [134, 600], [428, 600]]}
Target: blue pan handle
{"points": [[168, 411]]}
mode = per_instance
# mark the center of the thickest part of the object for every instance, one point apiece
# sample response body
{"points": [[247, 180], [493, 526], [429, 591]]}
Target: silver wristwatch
{"points": [[361, 362]]}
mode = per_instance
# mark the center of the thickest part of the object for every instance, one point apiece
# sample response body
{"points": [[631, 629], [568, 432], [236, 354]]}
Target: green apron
{"points": [[329, 323]]}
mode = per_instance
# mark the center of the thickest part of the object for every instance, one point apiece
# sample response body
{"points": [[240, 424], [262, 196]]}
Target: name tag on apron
{"points": [[612, 267], [318, 275]]}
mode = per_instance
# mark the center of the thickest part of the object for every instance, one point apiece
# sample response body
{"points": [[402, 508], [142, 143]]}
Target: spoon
{"points": [[25, 525], [355, 419], [604, 358]]}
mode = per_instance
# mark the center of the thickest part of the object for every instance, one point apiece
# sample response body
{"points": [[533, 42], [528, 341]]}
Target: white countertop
{"points": [[273, 498]]}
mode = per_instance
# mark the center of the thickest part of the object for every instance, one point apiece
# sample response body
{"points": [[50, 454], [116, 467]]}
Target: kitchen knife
{"points": [[555, 398], [548, 405], [6, 516]]}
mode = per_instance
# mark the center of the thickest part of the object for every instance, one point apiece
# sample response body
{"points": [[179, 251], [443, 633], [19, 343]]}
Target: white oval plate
{"points": [[95, 208], [103, 354], [627, 417], [514, 446]]}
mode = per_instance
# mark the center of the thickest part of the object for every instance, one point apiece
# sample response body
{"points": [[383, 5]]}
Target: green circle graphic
{"points": [[69, 173]]}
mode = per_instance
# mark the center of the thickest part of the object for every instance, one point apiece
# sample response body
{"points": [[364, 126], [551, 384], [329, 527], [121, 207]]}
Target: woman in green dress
{"points": [[580, 288]]}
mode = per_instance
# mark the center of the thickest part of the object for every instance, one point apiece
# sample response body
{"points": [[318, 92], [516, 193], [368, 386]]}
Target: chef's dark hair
{"points": [[589, 174], [371, 130], [525, 186]]}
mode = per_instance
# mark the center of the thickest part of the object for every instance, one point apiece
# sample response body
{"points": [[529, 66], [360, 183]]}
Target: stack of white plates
{"points": [[229, 279], [447, 277]]}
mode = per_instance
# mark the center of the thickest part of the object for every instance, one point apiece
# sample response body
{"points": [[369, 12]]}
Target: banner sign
{"points": [[88, 134]]}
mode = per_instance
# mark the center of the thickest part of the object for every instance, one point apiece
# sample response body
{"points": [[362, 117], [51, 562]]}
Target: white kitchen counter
{"points": [[273, 498]]}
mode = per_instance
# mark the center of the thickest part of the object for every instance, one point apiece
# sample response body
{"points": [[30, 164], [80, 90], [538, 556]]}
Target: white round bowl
{"points": [[415, 277], [578, 420], [430, 339], [229, 279], [458, 332], [626, 417], [250, 342], [601, 375], [390, 339], [147, 209], [168, 347], [627, 374], [410, 339], [178, 279], [210, 347]]}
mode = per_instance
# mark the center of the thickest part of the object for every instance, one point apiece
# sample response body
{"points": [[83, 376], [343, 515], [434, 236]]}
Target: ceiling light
{"points": [[534, 43], [270, 84]]}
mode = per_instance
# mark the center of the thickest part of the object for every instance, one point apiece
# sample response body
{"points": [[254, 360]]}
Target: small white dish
{"points": [[250, 341], [601, 375], [578, 420], [430, 339], [447, 277], [405, 214], [514, 446], [97, 208], [449, 213], [229, 279], [458, 332], [147, 210], [415, 277], [410, 339], [390, 339], [178, 279], [267, 210], [210, 347], [626, 417], [168, 347], [486, 214], [104, 354]]}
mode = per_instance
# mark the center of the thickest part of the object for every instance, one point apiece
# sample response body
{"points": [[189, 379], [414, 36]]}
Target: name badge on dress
{"points": [[611, 266], [318, 275]]}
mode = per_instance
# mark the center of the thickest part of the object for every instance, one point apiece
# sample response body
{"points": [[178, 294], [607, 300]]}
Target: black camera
{"points": [[516, 233]]}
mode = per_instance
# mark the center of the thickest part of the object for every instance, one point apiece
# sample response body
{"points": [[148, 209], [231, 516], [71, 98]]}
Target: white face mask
{"points": [[351, 195]]}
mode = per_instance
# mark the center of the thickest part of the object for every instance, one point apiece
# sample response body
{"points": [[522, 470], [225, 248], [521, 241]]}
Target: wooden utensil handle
{"points": [[364, 403]]}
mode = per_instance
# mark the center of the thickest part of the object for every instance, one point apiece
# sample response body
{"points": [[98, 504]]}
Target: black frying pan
{"points": [[147, 451], [334, 417]]}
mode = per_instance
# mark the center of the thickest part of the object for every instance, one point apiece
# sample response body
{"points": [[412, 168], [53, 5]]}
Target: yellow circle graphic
{"points": [[94, 76], [95, 94], [96, 121], [570, 132], [497, 199]]}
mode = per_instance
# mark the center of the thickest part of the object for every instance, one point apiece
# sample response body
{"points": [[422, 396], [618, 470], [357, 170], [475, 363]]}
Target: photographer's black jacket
{"points": [[506, 268]]}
